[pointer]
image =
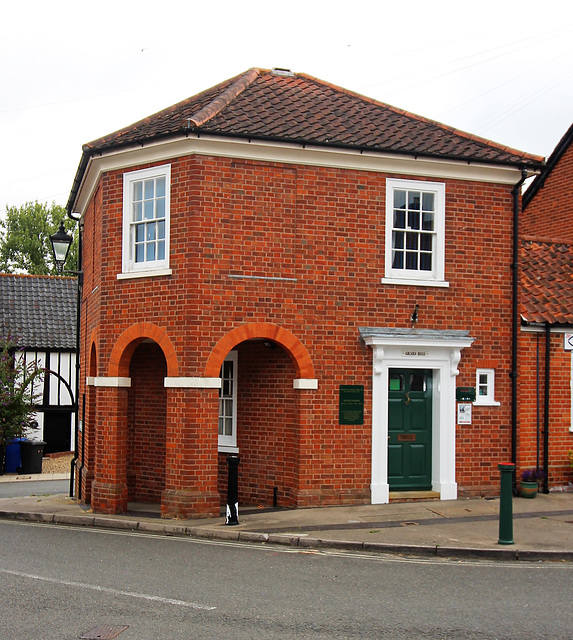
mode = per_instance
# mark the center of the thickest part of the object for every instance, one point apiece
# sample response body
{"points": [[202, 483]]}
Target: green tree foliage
{"points": [[17, 396], [25, 239]]}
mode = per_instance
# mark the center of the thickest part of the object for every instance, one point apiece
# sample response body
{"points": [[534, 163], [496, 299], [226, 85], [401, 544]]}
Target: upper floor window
{"points": [[415, 212], [146, 200]]}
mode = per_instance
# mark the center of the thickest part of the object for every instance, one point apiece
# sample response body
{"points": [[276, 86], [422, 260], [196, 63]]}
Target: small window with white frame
{"points": [[485, 387], [146, 213], [415, 231], [228, 404]]}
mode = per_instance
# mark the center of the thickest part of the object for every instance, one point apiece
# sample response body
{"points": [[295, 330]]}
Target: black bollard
{"points": [[233, 491]]}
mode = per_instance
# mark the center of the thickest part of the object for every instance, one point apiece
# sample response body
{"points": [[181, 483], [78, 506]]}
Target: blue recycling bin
{"points": [[13, 459]]}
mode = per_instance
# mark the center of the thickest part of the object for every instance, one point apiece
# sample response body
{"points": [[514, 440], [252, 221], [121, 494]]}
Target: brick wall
{"points": [[548, 215], [146, 425], [532, 407], [323, 230], [267, 433]]}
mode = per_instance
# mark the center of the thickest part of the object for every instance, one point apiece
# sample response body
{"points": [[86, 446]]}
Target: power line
{"points": [[527, 100]]}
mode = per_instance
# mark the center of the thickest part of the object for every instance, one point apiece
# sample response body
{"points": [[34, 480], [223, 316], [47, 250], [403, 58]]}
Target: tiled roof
{"points": [[547, 281], [552, 161], [39, 311], [287, 107]]}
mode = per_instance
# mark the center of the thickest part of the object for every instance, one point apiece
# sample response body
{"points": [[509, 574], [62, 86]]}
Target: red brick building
{"points": [[546, 345], [287, 271]]}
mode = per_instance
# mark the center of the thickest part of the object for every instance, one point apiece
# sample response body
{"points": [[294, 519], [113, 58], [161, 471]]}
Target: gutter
{"points": [[78, 179], [189, 129]]}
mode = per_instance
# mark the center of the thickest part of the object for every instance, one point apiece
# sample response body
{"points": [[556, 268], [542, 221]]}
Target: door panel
{"points": [[395, 461], [410, 429]]}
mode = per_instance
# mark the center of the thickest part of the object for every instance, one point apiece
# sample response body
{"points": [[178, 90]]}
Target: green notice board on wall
{"points": [[351, 404]]}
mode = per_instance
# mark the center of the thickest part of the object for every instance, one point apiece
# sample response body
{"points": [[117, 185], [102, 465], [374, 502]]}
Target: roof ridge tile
{"points": [[222, 100], [35, 275], [527, 238]]}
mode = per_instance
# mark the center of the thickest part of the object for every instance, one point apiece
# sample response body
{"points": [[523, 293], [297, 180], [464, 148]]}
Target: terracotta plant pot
{"points": [[529, 489]]}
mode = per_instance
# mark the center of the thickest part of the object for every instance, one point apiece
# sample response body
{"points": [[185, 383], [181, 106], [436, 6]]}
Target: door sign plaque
{"points": [[351, 404]]}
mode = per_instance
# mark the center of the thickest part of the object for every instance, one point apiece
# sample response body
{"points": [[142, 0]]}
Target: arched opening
{"points": [[130, 461], [93, 361], [258, 393], [146, 423]]}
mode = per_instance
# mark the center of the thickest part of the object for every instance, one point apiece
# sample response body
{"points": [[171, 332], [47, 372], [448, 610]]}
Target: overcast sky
{"points": [[73, 71]]}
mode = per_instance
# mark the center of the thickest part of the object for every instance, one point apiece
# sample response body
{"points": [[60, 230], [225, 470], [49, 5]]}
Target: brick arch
{"points": [[92, 354], [129, 340], [265, 330], [92, 367]]}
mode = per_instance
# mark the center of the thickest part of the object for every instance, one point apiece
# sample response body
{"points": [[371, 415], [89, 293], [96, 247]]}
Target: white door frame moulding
{"points": [[439, 351]]}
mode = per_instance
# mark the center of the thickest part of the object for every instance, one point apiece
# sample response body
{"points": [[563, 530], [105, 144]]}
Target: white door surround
{"points": [[440, 351]]}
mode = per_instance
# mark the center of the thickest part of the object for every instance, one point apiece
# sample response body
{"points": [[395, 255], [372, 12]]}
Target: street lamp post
{"points": [[61, 242]]}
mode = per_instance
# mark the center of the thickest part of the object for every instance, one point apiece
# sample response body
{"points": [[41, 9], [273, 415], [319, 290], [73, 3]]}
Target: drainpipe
{"points": [[538, 405], [546, 408], [79, 274], [81, 467], [515, 315]]}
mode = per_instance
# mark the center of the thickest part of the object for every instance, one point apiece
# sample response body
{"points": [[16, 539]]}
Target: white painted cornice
{"points": [[263, 151], [305, 383], [113, 382], [413, 339], [192, 383]]}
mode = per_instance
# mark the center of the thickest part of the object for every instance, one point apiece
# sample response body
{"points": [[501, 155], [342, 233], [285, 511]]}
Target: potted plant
{"points": [[530, 482]]}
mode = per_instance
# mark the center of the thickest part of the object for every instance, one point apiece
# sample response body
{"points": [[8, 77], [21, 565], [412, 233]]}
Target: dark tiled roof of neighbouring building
{"points": [[547, 281], [39, 312], [552, 162], [296, 108]]}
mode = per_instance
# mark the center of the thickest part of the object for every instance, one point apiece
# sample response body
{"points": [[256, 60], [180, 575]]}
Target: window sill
{"points": [[151, 273], [491, 403], [227, 449], [416, 283]]}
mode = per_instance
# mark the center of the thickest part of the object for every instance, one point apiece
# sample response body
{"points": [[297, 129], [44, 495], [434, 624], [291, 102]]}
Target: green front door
{"points": [[410, 429]]}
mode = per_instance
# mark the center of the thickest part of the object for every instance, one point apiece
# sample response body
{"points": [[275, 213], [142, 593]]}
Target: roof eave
{"points": [[88, 153], [78, 180], [552, 161]]}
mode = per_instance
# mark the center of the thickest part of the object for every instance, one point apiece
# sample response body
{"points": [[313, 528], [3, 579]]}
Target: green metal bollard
{"points": [[505, 503]]}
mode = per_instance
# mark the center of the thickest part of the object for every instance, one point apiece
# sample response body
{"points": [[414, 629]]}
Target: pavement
{"points": [[463, 528]]}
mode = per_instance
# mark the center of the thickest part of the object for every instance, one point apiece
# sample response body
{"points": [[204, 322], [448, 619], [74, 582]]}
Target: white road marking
{"points": [[115, 592]]}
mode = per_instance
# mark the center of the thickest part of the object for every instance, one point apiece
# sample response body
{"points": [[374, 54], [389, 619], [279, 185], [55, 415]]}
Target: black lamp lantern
{"points": [[61, 242]]}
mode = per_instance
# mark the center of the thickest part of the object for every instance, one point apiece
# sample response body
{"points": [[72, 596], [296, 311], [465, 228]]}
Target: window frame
{"points": [[228, 443], [152, 267], [487, 400], [435, 276]]}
